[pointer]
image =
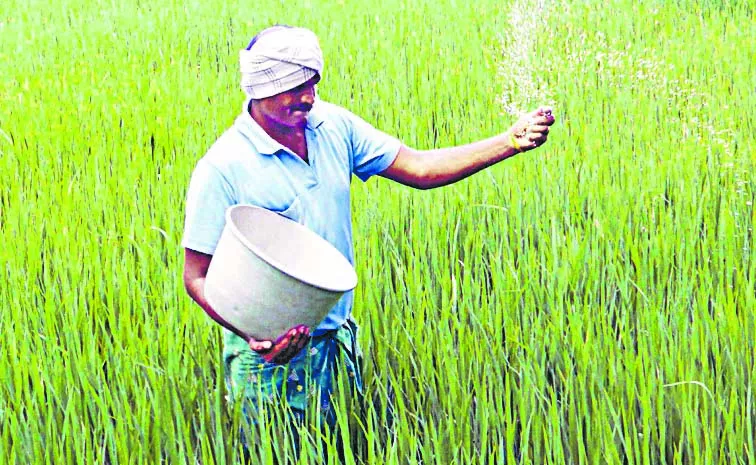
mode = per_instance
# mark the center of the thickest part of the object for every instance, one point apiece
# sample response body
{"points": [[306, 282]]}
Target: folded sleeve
{"points": [[207, 199], [372, 150]]}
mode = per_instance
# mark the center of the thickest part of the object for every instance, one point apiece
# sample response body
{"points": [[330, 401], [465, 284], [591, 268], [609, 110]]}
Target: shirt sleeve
{"points": [[372, 150], [208, 197]]}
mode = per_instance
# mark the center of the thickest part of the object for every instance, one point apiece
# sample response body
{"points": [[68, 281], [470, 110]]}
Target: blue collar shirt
{"points": [[246, 166]]}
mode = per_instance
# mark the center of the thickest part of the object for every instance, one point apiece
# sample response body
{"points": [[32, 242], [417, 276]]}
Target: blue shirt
{"points": [[246, 166]]}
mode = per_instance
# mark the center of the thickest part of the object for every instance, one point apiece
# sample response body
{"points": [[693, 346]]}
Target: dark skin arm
{"points": [[280, 351], [426, 169]]}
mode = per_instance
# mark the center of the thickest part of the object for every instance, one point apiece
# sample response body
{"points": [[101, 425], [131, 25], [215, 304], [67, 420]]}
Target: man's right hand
{"points": [[284, 348]]}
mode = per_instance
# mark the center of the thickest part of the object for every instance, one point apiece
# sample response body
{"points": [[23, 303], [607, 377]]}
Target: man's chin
{"points": [[291, 124], [298, 119]]}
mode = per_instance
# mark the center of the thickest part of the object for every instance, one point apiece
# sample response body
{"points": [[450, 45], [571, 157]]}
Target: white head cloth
{"points": [[282, 58]]}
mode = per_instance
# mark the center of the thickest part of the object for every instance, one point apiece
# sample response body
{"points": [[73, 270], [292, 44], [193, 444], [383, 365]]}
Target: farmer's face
{"points": [[289, 109]]}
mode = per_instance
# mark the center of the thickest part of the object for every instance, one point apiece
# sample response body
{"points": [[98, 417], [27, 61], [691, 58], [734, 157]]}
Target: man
{"points": [[294, 154]]}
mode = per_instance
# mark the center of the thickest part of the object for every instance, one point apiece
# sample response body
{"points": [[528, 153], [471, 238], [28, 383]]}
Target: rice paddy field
{"points": [[591, 302]]}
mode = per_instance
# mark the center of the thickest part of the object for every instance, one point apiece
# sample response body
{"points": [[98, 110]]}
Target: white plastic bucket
{"points": [[269, 273]]}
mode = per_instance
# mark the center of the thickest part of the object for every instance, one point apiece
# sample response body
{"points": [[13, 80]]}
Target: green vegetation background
{"points": [[590, 302]]}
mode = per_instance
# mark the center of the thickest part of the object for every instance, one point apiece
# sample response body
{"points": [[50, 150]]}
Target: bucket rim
{"points": [[277, 265]]}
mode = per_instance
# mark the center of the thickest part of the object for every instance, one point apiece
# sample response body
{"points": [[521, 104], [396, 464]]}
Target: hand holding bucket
{"points": [[270, 275], [284, 348]]}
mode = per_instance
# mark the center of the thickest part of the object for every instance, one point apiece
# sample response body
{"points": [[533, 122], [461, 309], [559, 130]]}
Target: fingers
{"points": [[530, 137], [541, 117], [259, 346], [295, 340], [535, 139], [541, 120], [287, 345], [538, 130], [532, 129], [277, 352]]}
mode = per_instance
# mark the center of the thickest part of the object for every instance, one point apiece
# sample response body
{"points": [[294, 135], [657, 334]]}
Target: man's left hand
{"points": [[531, 130]]}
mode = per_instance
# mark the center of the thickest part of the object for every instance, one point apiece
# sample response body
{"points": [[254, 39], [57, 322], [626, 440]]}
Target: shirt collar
{"points": [[262, 141]]}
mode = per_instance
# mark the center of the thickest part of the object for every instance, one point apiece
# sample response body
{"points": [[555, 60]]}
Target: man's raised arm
{"points": [[426, 169]]}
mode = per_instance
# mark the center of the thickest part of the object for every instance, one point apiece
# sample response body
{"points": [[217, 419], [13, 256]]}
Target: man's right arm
{"points": [[287, 346], [196, 265]]}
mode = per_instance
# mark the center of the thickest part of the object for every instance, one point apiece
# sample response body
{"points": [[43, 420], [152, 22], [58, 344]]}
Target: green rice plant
{"points": [[590, 302]]}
